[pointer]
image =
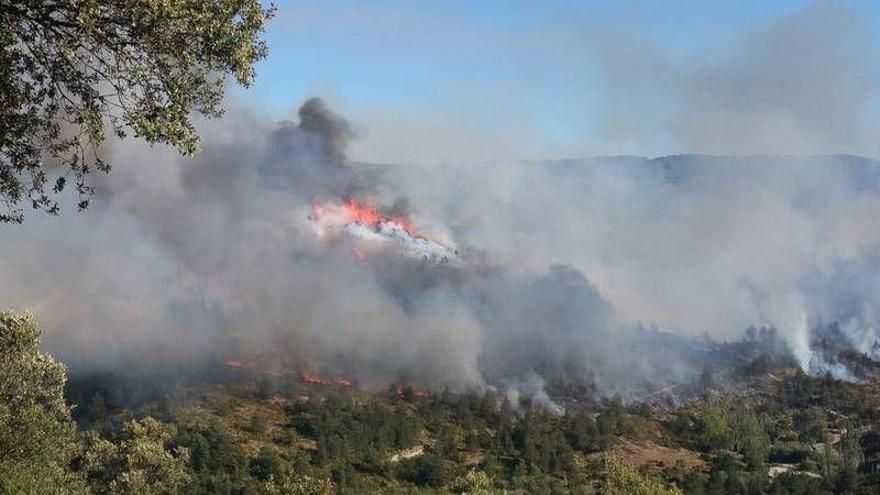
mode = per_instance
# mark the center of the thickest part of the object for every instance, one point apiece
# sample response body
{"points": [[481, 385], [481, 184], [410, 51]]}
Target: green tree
{"points": [[37, 434], [810, 424], [297, 484], [257, 423], [266, 465], [71, 68], [139, 462], [621, 478], [715, 432], [473, 483], [851, 458], [749, 436]]}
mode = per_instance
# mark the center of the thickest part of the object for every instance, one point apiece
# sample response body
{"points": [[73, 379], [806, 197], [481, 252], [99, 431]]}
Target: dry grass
{"points": [[651, 456]]}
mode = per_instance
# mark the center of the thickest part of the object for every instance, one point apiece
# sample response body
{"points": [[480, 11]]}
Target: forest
{"points": [[238, 431]]}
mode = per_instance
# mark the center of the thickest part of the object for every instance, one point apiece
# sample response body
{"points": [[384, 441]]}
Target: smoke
{"points": [[693, 243], [334, 132], [557, 263], [804, 83], [182, 260]]}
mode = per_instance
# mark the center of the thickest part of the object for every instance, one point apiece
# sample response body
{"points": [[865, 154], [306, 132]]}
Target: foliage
{"points": [[473, 483], [69, 68], [749, 437], [811, 423], [621, 478], [138, 462], [37, 434], [216, 457], [340, 440], [715, 431], [295, 484]]}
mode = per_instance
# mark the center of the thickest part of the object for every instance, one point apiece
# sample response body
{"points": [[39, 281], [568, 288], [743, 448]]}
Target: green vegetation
{"points": [[37, 434], [621, 478], [70, 69], [797, 435]]}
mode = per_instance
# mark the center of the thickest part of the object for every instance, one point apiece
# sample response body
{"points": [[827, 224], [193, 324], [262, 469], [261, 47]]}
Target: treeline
{"points": [[797, 435]]}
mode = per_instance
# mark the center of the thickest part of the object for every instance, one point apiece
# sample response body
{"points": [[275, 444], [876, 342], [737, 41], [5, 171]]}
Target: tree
{"points": [[851, 458], [257, 424], [715, 432], [810, 424], [621, 478], [297, 484], [139, 462], [37, 434], [473, 483], [70, 68], [749, 437], [266, 465]]}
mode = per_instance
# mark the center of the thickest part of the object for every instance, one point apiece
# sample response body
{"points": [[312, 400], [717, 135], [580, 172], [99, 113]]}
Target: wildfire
{"points": [[319, 380], [372, 230], [305, 376], [367, 214], [315, 379], [417, 392]]}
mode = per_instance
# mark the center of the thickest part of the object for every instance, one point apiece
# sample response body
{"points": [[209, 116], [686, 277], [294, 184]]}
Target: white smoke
{"points": [[216, 256], [187, 259]]}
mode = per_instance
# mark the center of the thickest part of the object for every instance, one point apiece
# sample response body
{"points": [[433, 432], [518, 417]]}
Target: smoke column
{"points": [[499, 275]]}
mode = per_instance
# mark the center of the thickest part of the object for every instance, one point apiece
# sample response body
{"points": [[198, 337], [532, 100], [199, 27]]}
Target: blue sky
{"points": [[494, 80]]}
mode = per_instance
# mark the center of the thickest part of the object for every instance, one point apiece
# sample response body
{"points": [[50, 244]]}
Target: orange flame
{"points": [[363, 213], [317, 380], [367, 214], [304, 375], [418, 392]]}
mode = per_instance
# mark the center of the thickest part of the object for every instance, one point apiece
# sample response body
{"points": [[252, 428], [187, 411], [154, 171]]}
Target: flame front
{"points": [[372, 230], [402, 390], [364, 213], [305, 376]]}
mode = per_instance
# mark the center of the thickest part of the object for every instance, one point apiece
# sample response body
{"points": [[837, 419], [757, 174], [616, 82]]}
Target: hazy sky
{"points": [[493, 80]]}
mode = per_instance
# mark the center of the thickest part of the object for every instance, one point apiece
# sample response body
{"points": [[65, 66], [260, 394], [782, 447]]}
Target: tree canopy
{"points": [[72, 69], [622, 478], [37, 434], [321, 439]]}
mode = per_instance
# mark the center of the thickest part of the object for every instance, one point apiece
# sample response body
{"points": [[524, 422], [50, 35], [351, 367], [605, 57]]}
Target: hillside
{"points": [[782, 432]]}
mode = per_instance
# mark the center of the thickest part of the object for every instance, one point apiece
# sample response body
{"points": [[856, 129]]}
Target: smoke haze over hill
{"points": [[182, 260], [501, 274]]}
